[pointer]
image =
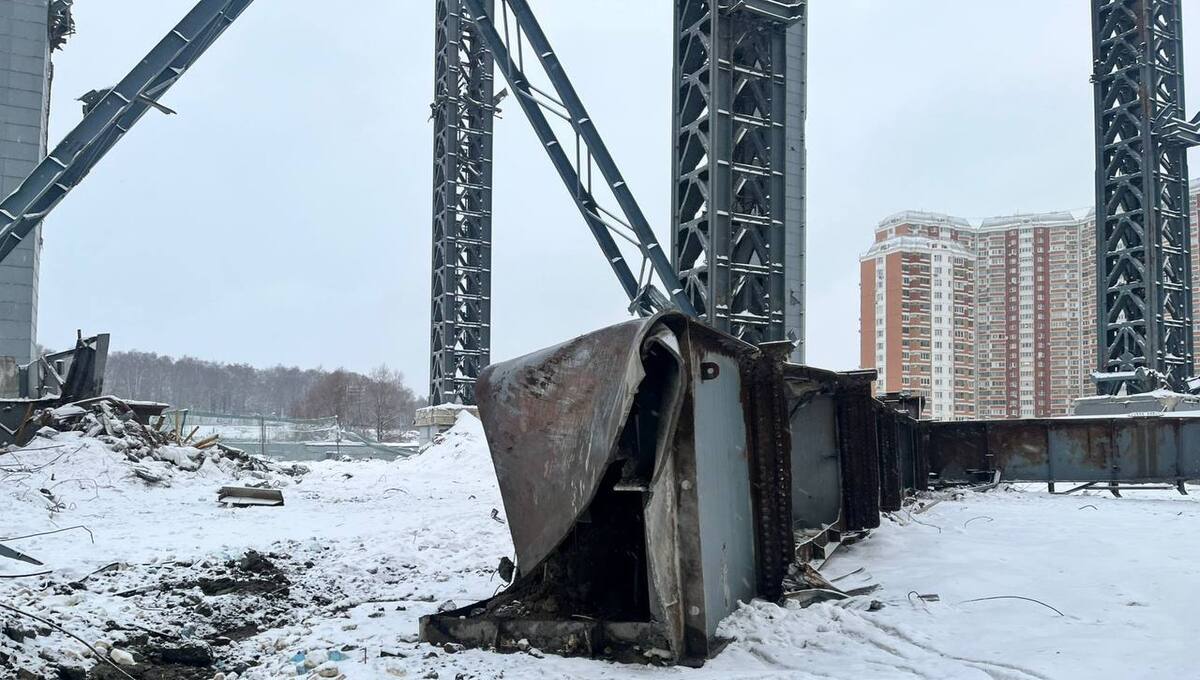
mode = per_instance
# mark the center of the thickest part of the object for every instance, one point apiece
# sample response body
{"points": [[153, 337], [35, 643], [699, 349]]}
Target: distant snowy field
{"points": [[363, 549]]}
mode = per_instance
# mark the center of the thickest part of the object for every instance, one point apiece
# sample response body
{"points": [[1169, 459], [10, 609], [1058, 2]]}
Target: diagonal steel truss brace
{"points": [[109, 115], [589, 152]]}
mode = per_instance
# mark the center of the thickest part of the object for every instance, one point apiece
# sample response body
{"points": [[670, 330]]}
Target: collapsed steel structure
{"points": [[51, 380], [696, 470], [658, 472], [646, 500]]}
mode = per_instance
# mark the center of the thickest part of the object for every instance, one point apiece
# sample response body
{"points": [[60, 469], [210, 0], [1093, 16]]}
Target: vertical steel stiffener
{"points": [[1143, 263], [463, 114], [738, 217]]}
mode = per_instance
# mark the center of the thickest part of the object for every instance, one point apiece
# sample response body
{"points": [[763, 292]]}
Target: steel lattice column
{"points": [[738, 223], [1142, 246], [463, 112]]}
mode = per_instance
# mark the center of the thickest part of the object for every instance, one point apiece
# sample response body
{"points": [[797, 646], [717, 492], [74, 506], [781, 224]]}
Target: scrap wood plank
{"points": [[206, 442]]}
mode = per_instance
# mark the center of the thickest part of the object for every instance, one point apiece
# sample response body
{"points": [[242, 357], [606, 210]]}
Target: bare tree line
{"points": [[378, 404]]}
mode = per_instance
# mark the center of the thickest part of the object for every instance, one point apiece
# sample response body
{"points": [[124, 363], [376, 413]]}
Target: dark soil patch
{"points": [[253, 574], [151, 672], [163, 661]]}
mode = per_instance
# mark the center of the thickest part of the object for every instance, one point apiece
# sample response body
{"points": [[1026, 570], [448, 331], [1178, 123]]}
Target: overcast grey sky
{"points": [[283, 215]]}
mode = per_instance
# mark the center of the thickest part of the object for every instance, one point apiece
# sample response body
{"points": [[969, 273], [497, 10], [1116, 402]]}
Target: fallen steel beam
{"points": [[1143, 449], [48, 381], [645, 474], [655, 474]]}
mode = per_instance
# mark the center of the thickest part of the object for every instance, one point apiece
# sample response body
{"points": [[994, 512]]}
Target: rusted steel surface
{"points": [[766, 410], [552, 420], [646, 473], [859, 445], [1158, 448], [658, 472], [891, 492]]}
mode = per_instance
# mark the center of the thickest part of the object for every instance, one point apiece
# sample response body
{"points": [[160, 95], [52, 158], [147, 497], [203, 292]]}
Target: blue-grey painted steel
{"points": [[110, 117], [816, 464], [726, 508], [795, 178], [27, 36], [645, 300], [732, 210], [1143, 249], [463, 114]]}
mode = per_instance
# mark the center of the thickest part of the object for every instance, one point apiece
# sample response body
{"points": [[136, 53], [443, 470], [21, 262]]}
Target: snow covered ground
{"points": [[362, 549]]}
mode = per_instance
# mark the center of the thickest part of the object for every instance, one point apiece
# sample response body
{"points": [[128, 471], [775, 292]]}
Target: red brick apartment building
{"points": [[986, 319]]}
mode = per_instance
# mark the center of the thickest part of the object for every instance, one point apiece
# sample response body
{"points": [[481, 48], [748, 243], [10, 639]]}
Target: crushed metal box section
{"points": [[48, 381], [647, 474]]}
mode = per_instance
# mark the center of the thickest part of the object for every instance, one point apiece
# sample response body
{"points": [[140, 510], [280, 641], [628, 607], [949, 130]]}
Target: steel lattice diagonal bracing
{"points": [[1143, 261], [463, 113], [506, 32], [738, 199], [109, 114]]}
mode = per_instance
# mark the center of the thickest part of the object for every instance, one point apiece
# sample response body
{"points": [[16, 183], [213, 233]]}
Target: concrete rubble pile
{"points": [[124, 428]]}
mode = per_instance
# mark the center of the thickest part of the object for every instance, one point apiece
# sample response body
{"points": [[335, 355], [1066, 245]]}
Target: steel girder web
{"points": [[463, 113], [1143, 263], [626, 220], [733, 176], [109, 114]]}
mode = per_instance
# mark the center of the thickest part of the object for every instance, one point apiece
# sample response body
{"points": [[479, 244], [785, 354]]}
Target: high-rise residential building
{"points": [[918, 284], [992, 318], [1033, 341], [29, 31]]}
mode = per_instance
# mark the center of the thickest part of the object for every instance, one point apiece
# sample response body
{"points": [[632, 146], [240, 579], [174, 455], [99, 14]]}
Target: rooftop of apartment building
{"points": [[920, 218], [918, 244]]}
